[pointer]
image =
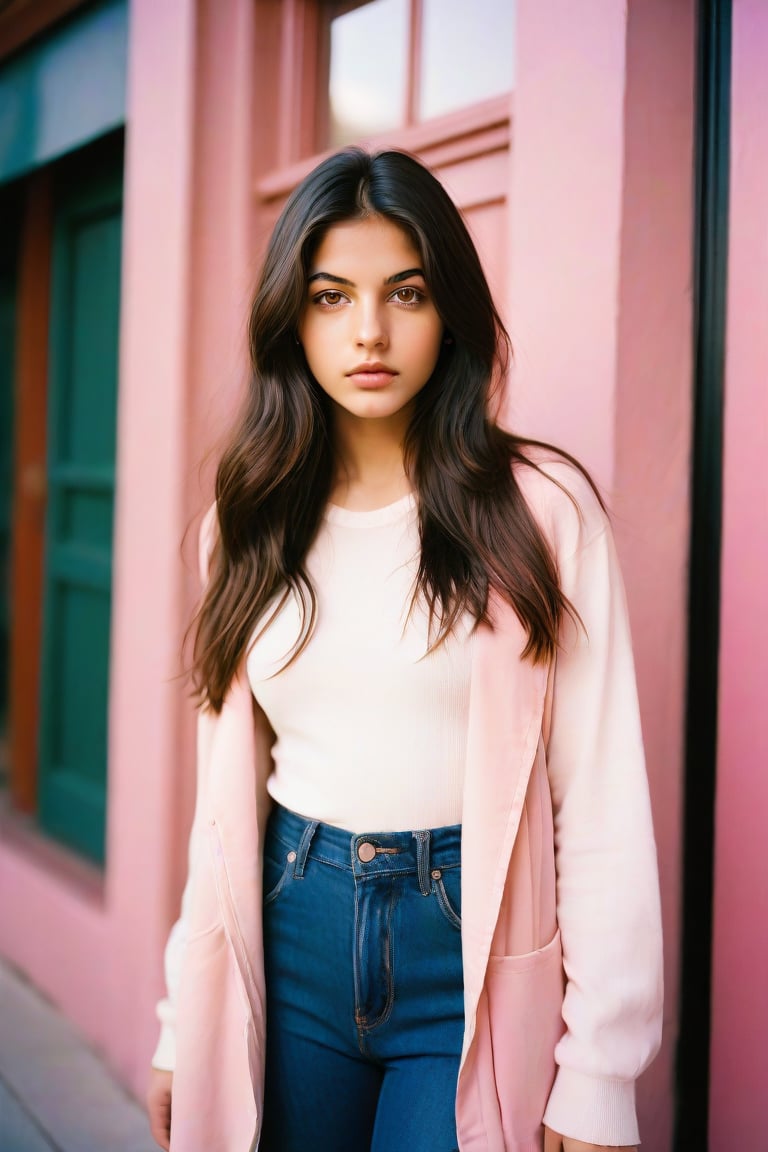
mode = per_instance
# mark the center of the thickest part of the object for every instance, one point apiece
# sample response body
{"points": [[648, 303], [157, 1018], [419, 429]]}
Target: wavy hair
{"points": [[274, 478]]}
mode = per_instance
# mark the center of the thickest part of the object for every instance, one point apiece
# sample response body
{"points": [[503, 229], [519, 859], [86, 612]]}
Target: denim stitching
{"points": [[273, 894], [366, 1027], [422, 861], [445, 905], [302, 852]]}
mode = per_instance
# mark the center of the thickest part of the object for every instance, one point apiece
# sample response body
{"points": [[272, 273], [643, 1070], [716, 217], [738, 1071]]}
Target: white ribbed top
{"points": [[371, 732]]}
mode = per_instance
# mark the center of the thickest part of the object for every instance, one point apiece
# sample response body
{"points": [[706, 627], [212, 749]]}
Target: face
{"points": [[370, 331]]}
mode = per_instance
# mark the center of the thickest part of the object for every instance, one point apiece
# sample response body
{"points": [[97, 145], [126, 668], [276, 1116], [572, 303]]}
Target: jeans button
{"points": [[366, 852]]}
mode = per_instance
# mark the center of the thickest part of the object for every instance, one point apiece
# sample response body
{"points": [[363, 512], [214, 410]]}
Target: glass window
{"points": [[467, 53], [386, 64], [367, 70]]}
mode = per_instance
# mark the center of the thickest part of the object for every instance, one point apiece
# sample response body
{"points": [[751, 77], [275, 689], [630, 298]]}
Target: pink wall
{"points": [[739, 1053], [94, 944], [568, 141], [187, 279], [90, 943], [600, 317], [650, 500], [147, 613]]}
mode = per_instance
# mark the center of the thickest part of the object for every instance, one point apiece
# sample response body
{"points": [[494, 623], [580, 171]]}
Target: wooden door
{"points": [[7, 346], [82, 406]]}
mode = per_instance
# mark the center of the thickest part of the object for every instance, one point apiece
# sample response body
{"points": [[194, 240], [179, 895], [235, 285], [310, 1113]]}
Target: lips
{"points": [[372, 374]]}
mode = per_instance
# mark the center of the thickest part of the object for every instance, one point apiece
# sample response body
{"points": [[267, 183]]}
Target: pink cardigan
{"points": [[561, 928]]}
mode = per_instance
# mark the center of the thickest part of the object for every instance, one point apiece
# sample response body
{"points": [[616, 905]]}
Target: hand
{"points": [[554, 1142], [159, 1106]]}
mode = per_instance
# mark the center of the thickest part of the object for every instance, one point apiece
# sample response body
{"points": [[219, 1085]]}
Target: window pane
{"points": [[367, 70], [467, 53]]}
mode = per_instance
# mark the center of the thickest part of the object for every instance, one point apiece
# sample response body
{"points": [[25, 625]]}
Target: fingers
{"points": [[160, 1122], [159, 1107]]}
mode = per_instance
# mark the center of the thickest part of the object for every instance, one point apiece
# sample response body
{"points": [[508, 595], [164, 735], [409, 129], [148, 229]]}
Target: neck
{"points": [[370, 470]]}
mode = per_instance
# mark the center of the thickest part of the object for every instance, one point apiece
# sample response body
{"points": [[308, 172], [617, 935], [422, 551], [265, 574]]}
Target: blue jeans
{"points": [[365, 1005]]}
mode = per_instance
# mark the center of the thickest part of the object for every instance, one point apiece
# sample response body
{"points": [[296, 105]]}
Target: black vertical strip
{"points": [[710, 276]]}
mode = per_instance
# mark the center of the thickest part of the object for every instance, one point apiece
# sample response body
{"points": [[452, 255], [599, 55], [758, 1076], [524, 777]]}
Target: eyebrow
{"points": [[396, 279]]}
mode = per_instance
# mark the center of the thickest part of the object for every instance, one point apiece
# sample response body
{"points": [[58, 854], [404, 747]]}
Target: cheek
{"points": [[311, 339], [431, 344]]}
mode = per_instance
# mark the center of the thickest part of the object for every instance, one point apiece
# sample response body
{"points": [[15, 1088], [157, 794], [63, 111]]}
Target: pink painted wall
{"points": [[94, 943], [650, 499], [147, 613], [568, 142], [739, 1053], [91, 943], [600, 316]]}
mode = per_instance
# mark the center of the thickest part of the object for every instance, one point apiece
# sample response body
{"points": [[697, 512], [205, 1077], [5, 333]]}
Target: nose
{"points": [[371, 325]]}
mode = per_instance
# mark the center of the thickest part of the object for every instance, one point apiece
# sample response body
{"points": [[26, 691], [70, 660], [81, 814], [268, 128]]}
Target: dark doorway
{"points": [[710, 273]]}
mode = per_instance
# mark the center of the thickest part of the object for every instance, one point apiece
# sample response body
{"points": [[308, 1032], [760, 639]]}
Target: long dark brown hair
{"points": [[274, 479]]}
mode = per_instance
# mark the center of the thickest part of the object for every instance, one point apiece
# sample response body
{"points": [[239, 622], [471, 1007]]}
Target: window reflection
{"points": [[467, 53], [368, 62]]}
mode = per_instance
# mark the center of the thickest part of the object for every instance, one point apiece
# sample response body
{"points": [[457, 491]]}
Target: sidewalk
{"points": [[55, 1093]]}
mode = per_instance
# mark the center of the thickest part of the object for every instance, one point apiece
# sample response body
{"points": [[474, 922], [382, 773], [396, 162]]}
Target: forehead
{"points": [[374, 242]]}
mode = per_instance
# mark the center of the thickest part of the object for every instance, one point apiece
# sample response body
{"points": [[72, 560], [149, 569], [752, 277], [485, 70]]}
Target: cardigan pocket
{"points": [[525, 996]]}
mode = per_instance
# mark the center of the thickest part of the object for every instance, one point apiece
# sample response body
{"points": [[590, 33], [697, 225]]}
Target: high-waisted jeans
{"points": [[365, 1007]]}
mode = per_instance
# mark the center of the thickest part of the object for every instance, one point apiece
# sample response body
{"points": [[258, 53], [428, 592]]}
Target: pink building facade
{"points": [[578, 183]]}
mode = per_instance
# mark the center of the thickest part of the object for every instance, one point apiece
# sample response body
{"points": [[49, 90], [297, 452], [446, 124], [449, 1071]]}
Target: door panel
{"points": [[85, 304]]}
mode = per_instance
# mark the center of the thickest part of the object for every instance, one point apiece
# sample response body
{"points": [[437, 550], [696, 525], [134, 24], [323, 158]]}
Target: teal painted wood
{"points": [[82, 413], [64, 90]]}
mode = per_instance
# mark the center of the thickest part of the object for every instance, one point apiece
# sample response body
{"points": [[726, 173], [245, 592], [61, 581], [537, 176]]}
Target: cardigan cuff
{"points": [[165, 1053], [594, 1109]]}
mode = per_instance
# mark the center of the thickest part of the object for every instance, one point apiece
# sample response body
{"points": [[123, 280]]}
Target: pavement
{"points": [[56, 1095]]}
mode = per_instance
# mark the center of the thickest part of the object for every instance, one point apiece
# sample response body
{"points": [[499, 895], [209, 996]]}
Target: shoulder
{"points": [[561, 499]]}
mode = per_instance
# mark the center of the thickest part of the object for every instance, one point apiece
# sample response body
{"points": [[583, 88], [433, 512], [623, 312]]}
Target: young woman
{"points": [[422, 909]]}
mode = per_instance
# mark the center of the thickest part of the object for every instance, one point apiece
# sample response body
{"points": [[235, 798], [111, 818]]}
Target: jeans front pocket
{"points": [[277, 873], [446, 885]]}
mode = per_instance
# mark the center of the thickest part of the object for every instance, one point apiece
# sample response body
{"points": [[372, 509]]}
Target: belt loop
{"points": [[303, 850], [422, 861]]}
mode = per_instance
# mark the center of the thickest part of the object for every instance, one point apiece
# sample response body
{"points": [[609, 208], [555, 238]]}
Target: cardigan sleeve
{"points": [[608, 905], [165, 1052]]}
